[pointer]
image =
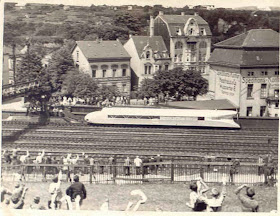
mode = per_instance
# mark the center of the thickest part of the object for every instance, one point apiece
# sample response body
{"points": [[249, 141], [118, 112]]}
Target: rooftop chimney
{"points": [[182, 13], [160, 13], [152, 25]]}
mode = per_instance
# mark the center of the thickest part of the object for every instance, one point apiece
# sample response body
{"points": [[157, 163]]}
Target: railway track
{"points": [[65, 137]]}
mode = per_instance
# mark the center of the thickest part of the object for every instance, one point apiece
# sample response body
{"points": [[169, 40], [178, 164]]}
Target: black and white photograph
{"points": [[153, 107]]}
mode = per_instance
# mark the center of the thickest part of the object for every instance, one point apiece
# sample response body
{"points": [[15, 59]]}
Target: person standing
{"points": [[111, 162], [137, 163], [260, 165], [127, 164], [77, 192], [54, 188], [145, 167]]}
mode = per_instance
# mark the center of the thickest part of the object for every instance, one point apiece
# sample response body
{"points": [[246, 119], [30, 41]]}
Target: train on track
{"points": [[163, 117]]}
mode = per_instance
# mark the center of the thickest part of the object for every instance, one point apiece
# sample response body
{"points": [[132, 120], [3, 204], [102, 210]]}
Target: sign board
{"points": [[227, 86]]}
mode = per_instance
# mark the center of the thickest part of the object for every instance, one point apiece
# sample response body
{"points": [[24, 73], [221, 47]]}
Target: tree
{"points": [[29, 66], [108, 92], [148, 88], [79, 85], [178, 83], [60, 64], [126, 20]]}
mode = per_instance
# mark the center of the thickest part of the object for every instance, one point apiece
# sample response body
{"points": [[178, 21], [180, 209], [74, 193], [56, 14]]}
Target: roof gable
{"points": [[156, 43], [102, 49]]}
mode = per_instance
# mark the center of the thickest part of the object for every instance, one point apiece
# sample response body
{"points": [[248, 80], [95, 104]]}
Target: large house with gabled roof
{"points": [[245, 70], [105, 61], [148, 55], [187, 38]]}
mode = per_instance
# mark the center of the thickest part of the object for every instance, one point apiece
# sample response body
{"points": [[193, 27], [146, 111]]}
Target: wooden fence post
{"points": [[172, 171]]}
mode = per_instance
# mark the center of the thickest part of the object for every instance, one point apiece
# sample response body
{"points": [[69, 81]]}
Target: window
{"points": [[250, 73], [159, 67], [264, 73], [104, 73], [93, 73], [277, 105], [178, 45], [276, 93], [148, 69], [263, 91], [249, 111], [200, 118], [166, 67], [114, 72], [202, 31], [77, 56], [276, 73], [249, 90], [175, 58], [276, 115], [180, 57], [262, 111], [124, 87], [123, 72], [147, 54]]}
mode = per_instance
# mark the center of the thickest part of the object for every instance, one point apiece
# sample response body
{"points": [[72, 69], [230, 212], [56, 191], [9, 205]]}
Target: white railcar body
{"points": [[168, 117]]}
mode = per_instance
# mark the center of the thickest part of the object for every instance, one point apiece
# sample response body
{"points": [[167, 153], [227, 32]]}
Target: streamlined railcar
{"points": [[164, 117]]}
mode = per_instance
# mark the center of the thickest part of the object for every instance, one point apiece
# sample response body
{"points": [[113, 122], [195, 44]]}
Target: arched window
{"points": [[180, 56], [147, 54], [178, 45], [175, 58]]}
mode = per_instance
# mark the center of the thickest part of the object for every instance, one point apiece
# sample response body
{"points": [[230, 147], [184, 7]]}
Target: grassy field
{"points": [[167, 197]]}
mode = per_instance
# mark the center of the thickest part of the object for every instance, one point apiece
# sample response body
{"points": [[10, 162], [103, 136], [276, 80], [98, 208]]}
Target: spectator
{"points": [[247, 200], [158, 160], [4, 191], [260, 165], [197, 196], [145, 167], [17, 200], [39, 158], [36, 204], [53, 189], [23, 158], [137, 163], [77, 192], [7, 157], [215, 203], [86, 162], [111, 162], [138, 203], [233, 170], [127, 164]]}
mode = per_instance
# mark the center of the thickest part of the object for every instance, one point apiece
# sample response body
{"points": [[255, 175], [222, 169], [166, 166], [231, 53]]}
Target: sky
{"points": [[166, 3]]}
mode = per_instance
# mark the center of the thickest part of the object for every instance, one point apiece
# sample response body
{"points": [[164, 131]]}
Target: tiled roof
{"points": [[243, 58], [253, 38], [155, 42], [102, 49], [222, 104], [175, 21]]}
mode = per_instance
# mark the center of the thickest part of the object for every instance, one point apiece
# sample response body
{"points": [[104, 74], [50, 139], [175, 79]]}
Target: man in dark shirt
{"points": [[77, 192]]}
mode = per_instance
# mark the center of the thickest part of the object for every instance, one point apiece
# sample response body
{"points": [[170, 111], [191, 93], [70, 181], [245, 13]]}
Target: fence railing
{"points": [[170, 171]]}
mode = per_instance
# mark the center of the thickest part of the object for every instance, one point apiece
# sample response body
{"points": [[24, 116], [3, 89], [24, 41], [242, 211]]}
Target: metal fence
{"points": [[170, 171]]}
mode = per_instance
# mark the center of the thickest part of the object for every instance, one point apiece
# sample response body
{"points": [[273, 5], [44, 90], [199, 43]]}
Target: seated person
{"points": [[136, 204], [198, 200], [36, 204], [215, 203], [247, 200], [18, 202]]}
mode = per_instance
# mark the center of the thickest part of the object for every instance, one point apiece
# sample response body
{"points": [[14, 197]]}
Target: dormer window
{"points": [[148, 55], [202, 31]]}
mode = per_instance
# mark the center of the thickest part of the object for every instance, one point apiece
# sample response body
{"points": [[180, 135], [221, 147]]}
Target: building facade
{"points": [[11, 56], [187, 38], [245, 70], [105, 61], [148, 55]]}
